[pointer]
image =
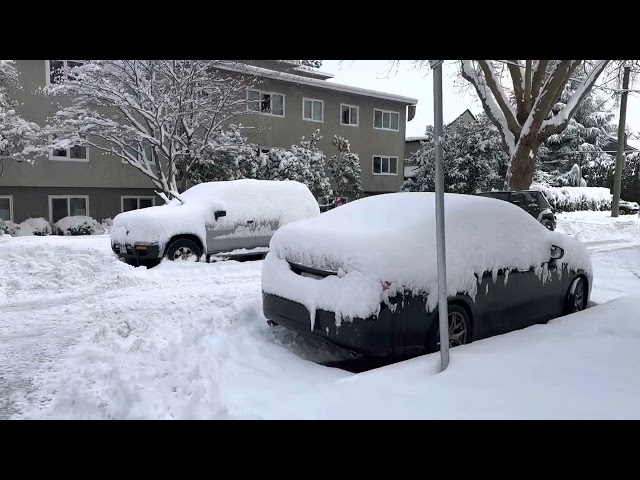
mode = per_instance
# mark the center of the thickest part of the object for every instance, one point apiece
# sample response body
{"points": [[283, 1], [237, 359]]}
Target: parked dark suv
{"points": [[532, 201]]}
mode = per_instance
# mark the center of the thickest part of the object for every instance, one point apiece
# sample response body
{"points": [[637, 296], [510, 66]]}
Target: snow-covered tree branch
{"points": [[161, 116], [18, 137], [537, 86]]}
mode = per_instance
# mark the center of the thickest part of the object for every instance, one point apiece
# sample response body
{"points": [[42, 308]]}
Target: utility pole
{"points": [[622, 125], [443, 307]]}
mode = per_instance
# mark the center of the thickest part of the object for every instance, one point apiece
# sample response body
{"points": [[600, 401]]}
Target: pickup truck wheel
{"points": [[183, 249]]}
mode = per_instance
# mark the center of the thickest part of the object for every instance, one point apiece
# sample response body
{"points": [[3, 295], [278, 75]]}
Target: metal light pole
{"points": [[443, 310]]}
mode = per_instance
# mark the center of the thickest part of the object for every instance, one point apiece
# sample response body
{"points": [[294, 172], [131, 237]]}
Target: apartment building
{"points": [[291, 101]]}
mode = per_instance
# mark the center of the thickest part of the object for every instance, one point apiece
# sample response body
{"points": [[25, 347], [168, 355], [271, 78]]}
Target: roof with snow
{"points": [[300, 80], [466, 113]]}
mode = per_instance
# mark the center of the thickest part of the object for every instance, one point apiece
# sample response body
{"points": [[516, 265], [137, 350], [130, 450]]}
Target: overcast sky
{"points": [[408, 81]]}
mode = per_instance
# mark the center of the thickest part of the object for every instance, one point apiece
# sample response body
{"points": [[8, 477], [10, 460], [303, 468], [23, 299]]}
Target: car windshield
{"points": [[498, 195], [542, 201]]}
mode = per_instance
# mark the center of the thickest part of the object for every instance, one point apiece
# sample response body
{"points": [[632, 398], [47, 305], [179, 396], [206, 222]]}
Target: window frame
{"points": [[138, 198], [10, 197], [309, 99], [68, 198], [57, 158], [357, 107], [268, 114], [390, 112], [388, 172], [47, 69]]}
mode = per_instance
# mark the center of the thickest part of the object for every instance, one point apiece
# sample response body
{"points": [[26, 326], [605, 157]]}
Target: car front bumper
{"points": [[136, 252]]}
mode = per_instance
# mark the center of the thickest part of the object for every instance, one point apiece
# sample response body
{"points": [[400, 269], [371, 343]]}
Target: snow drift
{"points": [[392, 238]]}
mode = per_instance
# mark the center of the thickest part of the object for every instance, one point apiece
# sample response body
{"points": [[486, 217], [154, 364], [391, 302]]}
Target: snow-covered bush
{"points": [[35, 226], [8, 227], [571, 199], [78, 225], [310, 165], [345, 169], [106, 223]]}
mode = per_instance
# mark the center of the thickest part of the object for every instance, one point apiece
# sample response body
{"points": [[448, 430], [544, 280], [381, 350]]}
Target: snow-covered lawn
{"points": [[83, 335]]}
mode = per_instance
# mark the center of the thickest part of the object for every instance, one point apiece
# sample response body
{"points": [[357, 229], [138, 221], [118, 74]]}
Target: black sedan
{"points": [[364, 276]]}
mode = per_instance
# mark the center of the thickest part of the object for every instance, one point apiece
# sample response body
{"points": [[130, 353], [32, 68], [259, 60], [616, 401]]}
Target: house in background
{"points": [[290, 102], [413, 144]]}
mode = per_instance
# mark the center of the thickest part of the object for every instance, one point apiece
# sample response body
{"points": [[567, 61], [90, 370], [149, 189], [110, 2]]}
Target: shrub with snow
{"points": [[7, 227], [345, 169], [78, 225], [571, 199], [35, 226]]}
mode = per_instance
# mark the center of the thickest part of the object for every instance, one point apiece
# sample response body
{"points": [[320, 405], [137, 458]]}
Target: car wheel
{"points": [[459, 329], [577, 301], [622, 212], [548, 224], [183, 249]]}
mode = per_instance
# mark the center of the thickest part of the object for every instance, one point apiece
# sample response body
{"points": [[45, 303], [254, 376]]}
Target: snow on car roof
{"points": [[392, 237], [286, 200]]}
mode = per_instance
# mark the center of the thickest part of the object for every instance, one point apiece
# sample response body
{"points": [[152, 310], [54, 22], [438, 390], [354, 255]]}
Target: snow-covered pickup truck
{"points": [[216, 218]]}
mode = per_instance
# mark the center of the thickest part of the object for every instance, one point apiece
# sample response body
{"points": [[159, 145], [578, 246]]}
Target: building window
{"points": [[136, 203], [264, 150], [61, 206], [349, 115], [54, 69], [385, 165], [385, 120], [266, 103], [148, 152], [312, 110], [6, 208], [77, 153]]}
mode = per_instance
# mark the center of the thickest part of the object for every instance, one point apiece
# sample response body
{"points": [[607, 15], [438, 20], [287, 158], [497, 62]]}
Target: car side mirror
{"points": [[220, 213], [556, 252]]}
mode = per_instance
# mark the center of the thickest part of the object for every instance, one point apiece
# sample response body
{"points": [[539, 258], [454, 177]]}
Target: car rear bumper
{"points": [[136, 252], [373, 336]]}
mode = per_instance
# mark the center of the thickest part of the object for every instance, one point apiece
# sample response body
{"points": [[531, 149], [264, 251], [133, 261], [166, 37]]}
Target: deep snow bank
{"points": [[55, 268], [583, 366]]}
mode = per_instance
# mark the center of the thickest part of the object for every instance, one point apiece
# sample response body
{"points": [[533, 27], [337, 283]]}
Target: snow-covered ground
{"points": [[83, 335]]}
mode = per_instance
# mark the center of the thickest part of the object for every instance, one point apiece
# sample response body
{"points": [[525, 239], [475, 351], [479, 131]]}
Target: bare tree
{"points": [[521, 104], [161, 116]]}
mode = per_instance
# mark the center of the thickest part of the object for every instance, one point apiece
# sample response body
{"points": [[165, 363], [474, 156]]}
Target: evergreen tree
{"points": [[345, 169], [582, 143], [472, 158]]}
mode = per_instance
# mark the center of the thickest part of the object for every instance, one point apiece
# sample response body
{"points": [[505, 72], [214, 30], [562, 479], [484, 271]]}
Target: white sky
{"points": [[408, 81]]}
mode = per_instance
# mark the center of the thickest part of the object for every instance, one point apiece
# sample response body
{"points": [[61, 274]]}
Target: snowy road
{"points": [[137, 321], [83, 335]]}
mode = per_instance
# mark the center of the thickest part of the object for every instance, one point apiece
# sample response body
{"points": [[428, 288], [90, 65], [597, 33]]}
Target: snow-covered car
{"points": [[234, 217], [364, 276], [532, 201], [628, 208]]}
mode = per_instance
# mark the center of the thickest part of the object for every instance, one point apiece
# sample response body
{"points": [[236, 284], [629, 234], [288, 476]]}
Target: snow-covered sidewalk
{"points": [[83, 335]]}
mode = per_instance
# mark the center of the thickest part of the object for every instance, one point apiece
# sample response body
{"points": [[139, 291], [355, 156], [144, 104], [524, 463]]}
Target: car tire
{"points": [[576, 301], [622, 212], [548, 224], [183, 249], [459, 326]]}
